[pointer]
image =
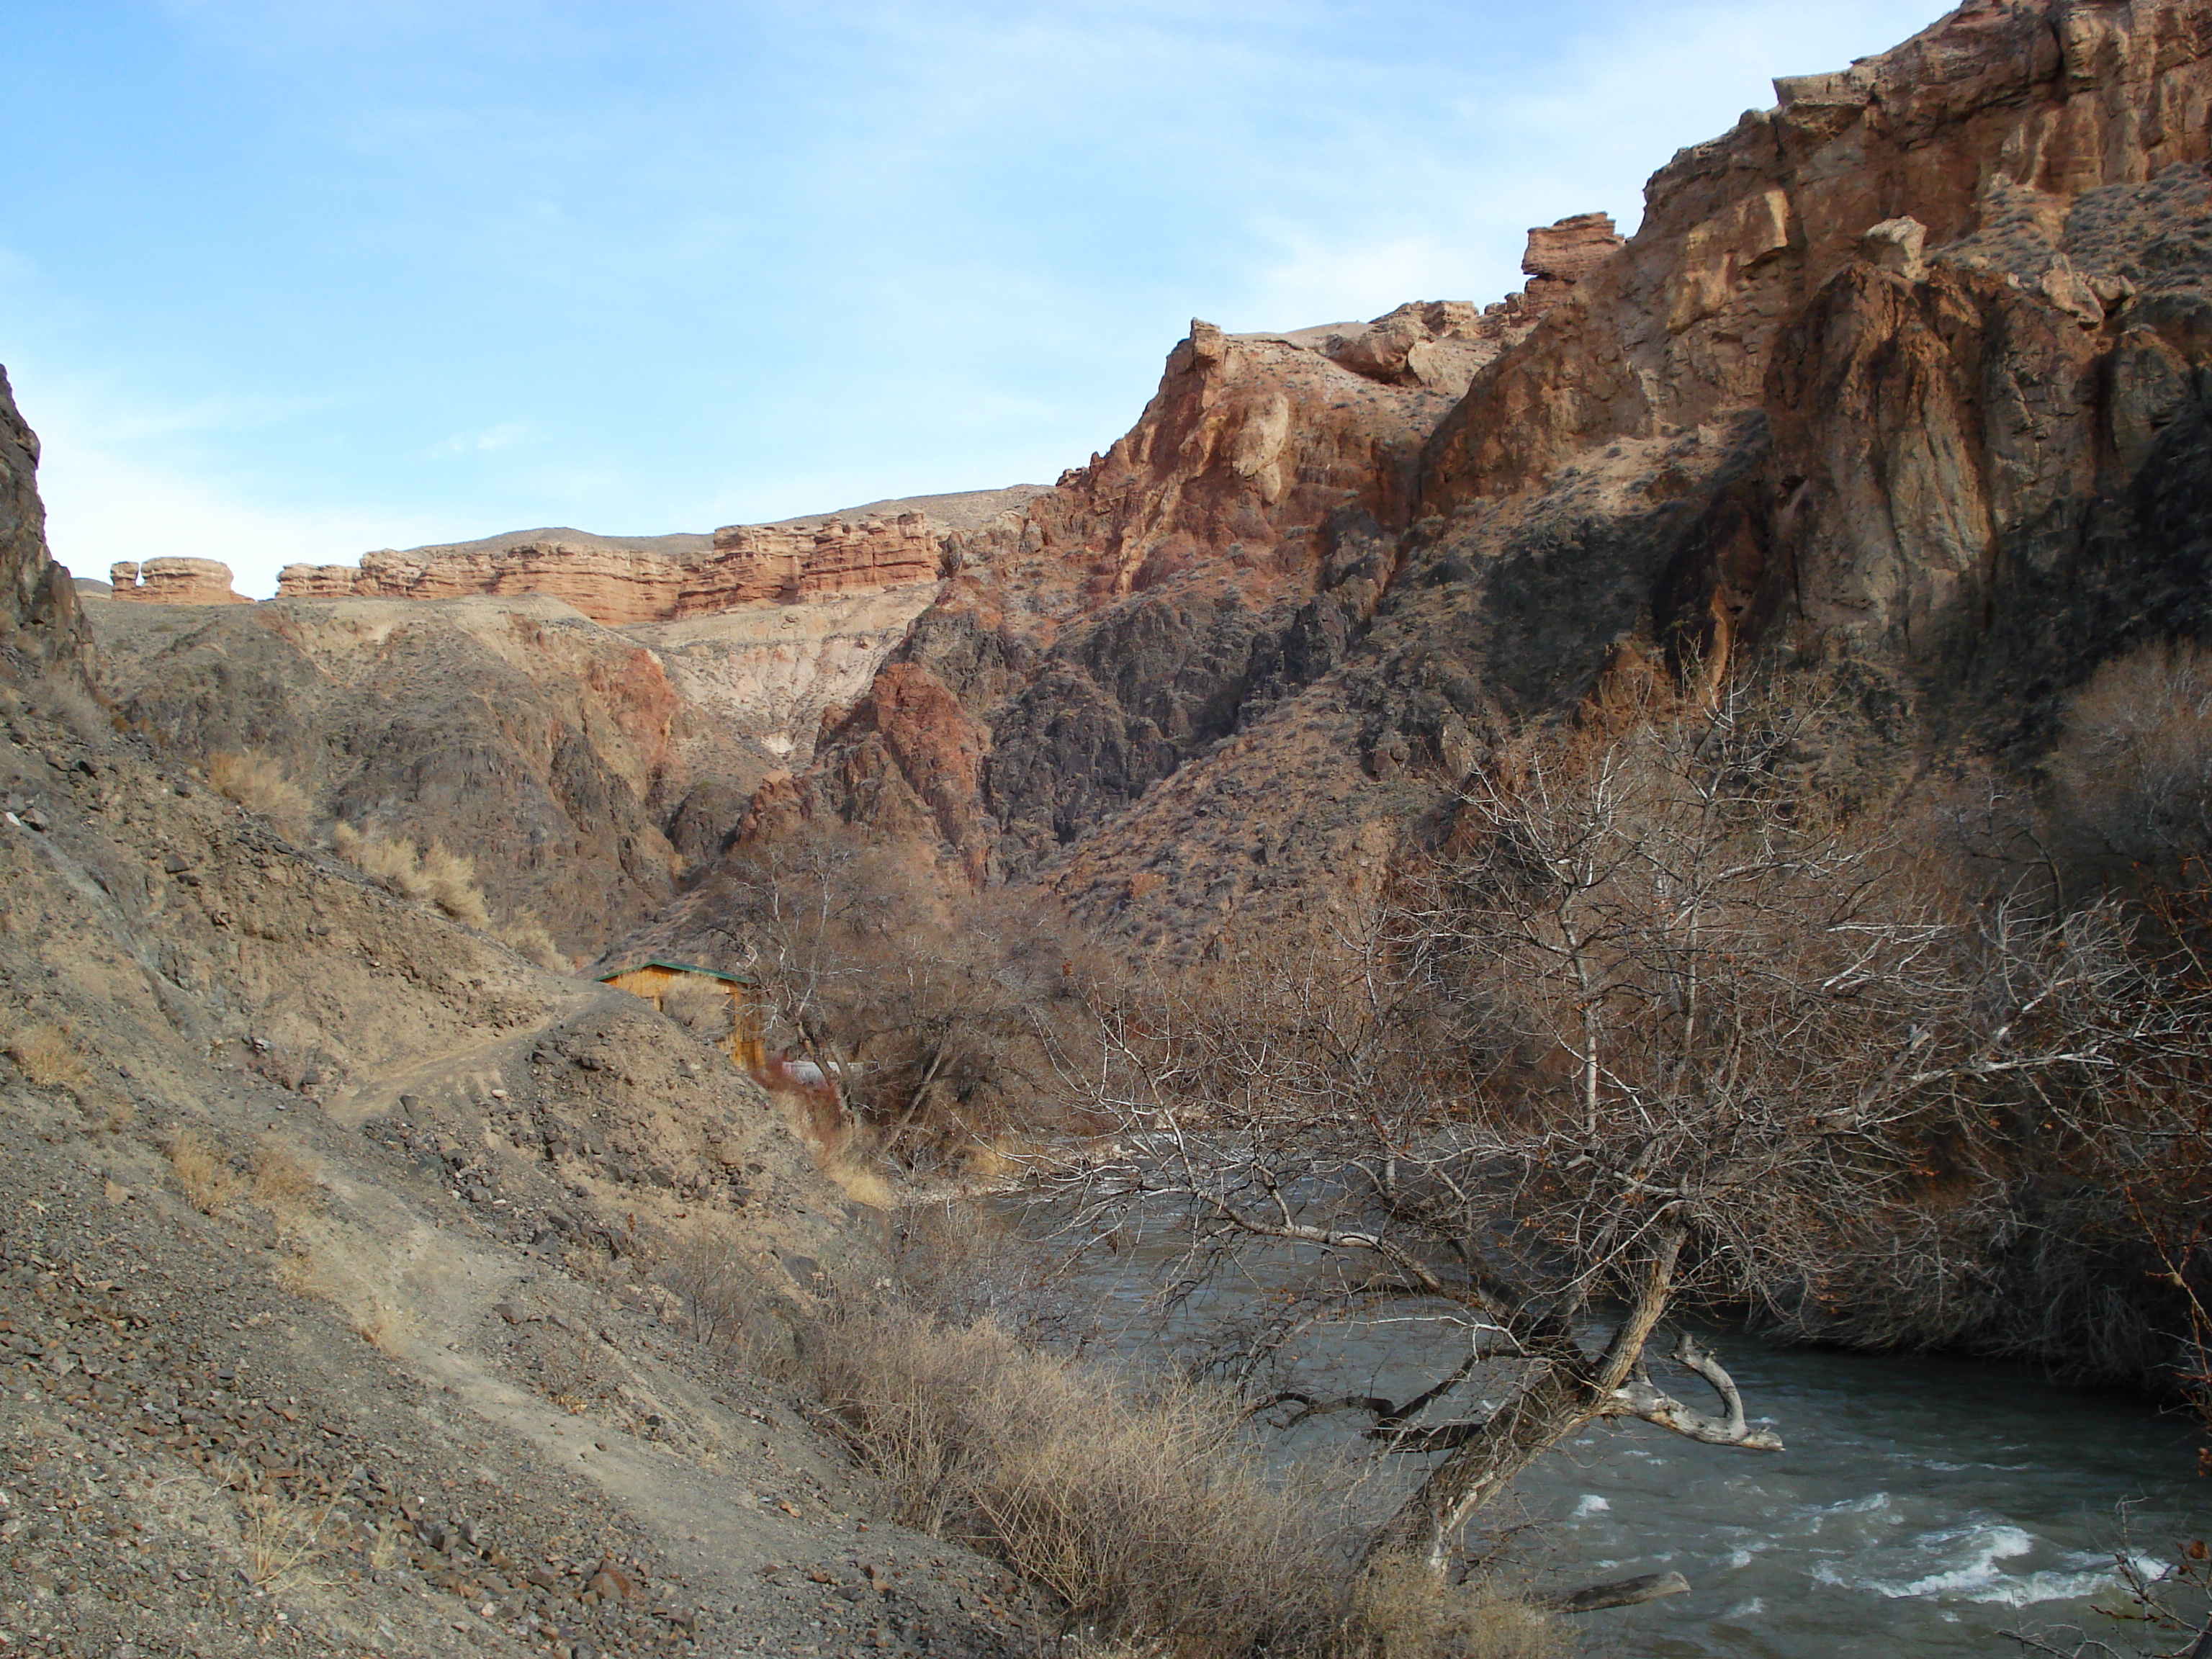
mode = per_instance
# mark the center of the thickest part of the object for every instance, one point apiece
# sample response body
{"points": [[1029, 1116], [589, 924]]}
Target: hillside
{"points": [[334, 1312]]}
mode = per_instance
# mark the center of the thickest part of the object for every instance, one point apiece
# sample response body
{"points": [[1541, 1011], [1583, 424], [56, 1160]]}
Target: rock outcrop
{"points": [[40, 624], [1913, 367], [1225, 552], [173, 581], [743, 564]]}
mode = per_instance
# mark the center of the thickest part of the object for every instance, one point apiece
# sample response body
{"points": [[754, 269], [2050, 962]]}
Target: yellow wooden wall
{"points": [[654, 985]]}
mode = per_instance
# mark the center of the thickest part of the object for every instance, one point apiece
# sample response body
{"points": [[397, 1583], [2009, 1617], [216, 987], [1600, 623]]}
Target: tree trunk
{"points": [[1568, 1390], [1550, 1406]]}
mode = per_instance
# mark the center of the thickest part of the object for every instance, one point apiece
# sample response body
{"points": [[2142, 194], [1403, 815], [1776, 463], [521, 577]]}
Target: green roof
{"points": [[678, 968]]}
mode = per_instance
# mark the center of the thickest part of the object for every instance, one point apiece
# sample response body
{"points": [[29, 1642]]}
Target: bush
{"points": [[46, 1057], [260, 785], [1142, 1502], [2134, 768], [452, 880], [394, 864], [526, 937], [206, 1180], [441, 877]]}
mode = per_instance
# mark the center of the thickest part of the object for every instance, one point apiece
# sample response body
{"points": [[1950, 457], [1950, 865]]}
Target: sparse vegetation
{"points": [[46, 1054], [260, 785], [945, 1017], [207, 1180], [1141, 1501], [718, 1284], [283, 1534], [437, 876], [283, 1183], [528, 938]]}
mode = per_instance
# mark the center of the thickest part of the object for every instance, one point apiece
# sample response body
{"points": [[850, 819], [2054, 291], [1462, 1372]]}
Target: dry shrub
{"points": [[283, 1535], [207, 1181], [434, 874], [1142, 1502], [48, 1057], [719, 1284], [2135, 765], [395, 864], [1400, 1610], [260, 785], [526, 937], [569, 1365], [705, 1011], [283, 1183], [452, 883]]}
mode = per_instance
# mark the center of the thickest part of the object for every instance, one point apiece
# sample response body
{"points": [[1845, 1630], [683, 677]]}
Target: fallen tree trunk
{"points": [[1615, 1593]]}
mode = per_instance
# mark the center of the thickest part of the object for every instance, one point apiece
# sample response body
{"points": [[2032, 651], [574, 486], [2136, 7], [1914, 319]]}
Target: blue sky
{"points": [[284, 279]]}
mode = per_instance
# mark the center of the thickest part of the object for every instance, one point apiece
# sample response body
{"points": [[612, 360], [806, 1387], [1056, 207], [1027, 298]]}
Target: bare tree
{"points": [[1663, 1031], [937, 1012]]}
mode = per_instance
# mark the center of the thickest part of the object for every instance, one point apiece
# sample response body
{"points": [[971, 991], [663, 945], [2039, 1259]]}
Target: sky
{"points": [[294, 279]]}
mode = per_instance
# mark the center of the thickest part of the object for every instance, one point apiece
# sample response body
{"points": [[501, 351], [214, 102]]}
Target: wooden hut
{"points": [[655, 979]]}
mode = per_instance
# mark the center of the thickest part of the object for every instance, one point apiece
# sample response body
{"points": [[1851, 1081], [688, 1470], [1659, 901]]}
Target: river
{"points": [[1923, 1506]]}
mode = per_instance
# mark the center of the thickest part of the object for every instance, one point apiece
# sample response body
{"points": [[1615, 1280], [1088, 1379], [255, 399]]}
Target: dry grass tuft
{"points": [[1398, 1610], [284, 1183], [260, 785], [526, 937], [283, 1535], [396, 864], [860, 1181], [1143, 1507], [48, 1057], [433, 875], [1143, 1502], [207, 1181], [452, 883]]}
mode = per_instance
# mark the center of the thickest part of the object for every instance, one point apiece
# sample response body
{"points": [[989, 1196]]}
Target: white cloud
{"points": [[502, 436]]}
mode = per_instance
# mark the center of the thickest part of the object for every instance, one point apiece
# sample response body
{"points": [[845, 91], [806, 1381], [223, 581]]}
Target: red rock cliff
{"points": [[174, 581], [744, 564]]}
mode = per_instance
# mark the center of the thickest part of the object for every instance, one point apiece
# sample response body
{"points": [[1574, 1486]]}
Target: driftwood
{"points": [[1617, 1593]]}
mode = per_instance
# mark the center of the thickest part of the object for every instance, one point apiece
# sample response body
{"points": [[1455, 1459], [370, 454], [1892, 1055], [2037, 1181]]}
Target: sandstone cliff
{"points": [[1224, 552], [659, 579], [1909, 369], [173, 581]]}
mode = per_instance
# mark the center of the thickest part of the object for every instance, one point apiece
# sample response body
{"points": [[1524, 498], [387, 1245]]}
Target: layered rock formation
{"points": [[173, 581], [1914, 363], [1223, 553], [743, 564]]}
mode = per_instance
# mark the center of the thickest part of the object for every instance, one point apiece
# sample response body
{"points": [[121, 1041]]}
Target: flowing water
{"points": [[1923, 1506]]}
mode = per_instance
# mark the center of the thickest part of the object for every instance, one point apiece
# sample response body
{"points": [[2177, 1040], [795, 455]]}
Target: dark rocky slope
{"points": [[327, 1315]]}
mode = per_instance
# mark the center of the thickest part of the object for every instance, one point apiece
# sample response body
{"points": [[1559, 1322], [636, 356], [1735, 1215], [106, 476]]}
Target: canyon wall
{"points": [[1224, 552], [1910, 372], [743, 564]]}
